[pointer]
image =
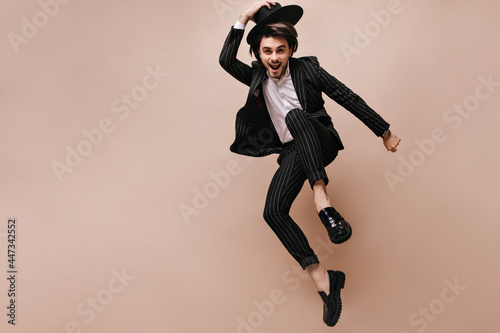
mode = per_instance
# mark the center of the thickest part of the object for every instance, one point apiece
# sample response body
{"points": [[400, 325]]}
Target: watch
{"points": [[386, 134]]}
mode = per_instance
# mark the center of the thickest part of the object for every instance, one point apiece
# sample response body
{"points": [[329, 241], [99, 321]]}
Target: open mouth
{"points": [[274, 67]]}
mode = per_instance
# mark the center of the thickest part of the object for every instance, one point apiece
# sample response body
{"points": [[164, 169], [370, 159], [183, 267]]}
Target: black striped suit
{"points": [[315, 144]]}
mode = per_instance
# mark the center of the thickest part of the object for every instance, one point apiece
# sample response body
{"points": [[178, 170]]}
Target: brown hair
{"points": [[278, 30]]}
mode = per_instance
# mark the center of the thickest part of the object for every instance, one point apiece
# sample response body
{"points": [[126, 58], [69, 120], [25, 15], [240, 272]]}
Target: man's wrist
{"points": [[386, 134], [240, 26]]}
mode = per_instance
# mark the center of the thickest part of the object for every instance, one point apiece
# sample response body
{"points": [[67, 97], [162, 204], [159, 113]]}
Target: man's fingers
{"points": [[392, 143], [257, 6], [392, 148], [267, 4]]}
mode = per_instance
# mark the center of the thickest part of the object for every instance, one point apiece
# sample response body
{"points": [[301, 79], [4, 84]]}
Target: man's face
{"points": [[274, 53]]}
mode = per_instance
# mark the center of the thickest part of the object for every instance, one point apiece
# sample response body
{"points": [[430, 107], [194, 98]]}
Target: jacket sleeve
{"points": [[344, 96], [227, 59]]}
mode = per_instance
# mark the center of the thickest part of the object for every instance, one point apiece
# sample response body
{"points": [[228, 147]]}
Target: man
{"points": [[284, 114]]}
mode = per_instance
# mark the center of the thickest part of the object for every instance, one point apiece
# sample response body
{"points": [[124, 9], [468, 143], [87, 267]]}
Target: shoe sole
{"points": [[339, 283]]}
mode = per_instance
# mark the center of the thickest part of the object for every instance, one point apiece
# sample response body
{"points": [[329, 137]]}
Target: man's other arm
{"points": [[352, 102]]}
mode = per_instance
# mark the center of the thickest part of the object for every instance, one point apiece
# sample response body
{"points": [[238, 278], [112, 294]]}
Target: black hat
{"points": [[264, 16]]}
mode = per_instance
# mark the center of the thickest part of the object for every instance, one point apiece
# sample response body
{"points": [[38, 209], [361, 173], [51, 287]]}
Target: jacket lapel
{"points": [[257, 80], [298, 82]]}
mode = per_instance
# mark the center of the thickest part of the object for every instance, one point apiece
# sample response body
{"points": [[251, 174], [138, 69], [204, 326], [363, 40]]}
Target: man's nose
{"points": [[274, 56]]}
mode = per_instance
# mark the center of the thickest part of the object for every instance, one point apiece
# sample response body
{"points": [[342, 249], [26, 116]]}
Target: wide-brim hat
{"points": [[277, 13]]}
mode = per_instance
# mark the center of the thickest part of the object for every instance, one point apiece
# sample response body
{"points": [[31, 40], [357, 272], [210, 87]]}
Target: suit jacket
{"points": [[255, 133]]}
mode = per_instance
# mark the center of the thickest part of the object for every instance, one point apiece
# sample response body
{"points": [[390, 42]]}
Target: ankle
{"points": [[321, 202], [322, 205], [321, 199], [320, 277], [323, 283]]}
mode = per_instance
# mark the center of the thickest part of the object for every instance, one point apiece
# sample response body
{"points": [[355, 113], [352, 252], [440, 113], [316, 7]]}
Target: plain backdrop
{"points": [[132, 214]]}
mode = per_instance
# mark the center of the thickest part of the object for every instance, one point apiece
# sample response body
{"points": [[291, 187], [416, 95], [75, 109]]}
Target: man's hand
{"points": [[248, 14], [391, 143]]}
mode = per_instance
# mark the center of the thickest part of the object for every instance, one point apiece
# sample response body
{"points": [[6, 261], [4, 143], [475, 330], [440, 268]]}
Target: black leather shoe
{"points": [[338, 229], [332, 303]]}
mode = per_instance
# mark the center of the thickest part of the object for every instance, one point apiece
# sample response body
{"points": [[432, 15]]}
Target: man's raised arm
{"points": [[227, 59]]}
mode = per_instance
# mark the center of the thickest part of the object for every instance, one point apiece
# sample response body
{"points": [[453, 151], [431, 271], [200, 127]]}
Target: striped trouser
{"points": [[305, 158]]}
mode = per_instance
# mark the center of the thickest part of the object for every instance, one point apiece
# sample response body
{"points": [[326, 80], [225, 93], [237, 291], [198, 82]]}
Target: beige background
{"points": [[219, 268]]}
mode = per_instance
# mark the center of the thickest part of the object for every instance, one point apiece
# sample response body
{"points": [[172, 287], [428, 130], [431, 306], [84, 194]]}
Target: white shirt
{"points": [[280, 97]]}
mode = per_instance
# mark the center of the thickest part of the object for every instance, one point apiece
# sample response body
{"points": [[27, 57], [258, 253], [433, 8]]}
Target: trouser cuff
{"points": [[317, 176], [308, 261]]}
